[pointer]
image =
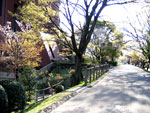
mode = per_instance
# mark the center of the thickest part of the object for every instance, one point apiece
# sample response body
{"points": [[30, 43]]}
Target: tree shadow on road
{"points": [[119, 89]]}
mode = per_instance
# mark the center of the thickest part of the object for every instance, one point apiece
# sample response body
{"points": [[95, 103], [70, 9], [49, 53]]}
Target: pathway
{"points": [[125, 89]]}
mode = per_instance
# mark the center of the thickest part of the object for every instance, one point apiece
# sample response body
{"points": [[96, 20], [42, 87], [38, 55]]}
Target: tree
{"points": [[106, 41], [34, 12], [21, 51], [25, 45], [90, 10], [141, 33], [28, 80]]}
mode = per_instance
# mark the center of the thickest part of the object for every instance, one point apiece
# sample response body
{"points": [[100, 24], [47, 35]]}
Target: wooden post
{"points": [[96, 73], [90, 74], [36, 97], [99, 71], [43, 94], [105, 68], [93, 73], [86, 76], [102, 69]]}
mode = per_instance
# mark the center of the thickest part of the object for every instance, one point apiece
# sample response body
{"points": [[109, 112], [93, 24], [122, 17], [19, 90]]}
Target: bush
{"points": [[113, 63], [3, 100], [27, 79], [16, 95], [66, 82], [59, 88], [41, 84]]}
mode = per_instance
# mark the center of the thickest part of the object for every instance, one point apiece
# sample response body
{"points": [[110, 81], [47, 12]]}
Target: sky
{"points": [[119, 15]]}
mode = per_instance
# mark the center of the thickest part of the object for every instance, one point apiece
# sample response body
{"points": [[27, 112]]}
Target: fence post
{"points": [[93, 73], [36, 97], [102, 69], [99, 71], [43, 94], [96, 73], [105, 67], [86, 76], [90, 74]]}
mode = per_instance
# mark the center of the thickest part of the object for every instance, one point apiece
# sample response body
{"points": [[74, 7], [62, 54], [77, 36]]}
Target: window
{"points": [[1, 2]]}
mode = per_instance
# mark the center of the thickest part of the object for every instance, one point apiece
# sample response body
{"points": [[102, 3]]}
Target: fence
{"points": [[93, 73], [90, 74], [44, 93]]}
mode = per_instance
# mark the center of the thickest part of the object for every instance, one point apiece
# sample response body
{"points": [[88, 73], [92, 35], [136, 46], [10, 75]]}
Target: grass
{"points": [[38, 106], [81, 84]]}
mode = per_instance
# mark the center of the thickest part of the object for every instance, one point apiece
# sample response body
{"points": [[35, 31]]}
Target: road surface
{"points": [[125, 89]]}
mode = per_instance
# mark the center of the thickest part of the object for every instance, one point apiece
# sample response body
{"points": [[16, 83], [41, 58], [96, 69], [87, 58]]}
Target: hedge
{"points": [[16, 95], [3, 100]]}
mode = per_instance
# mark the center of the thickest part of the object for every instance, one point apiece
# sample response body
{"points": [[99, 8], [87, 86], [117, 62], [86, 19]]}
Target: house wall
{"points": [[7, 5]]}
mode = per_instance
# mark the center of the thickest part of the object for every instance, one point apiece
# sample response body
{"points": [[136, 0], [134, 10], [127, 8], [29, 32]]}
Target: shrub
{"points": [[27, 79], [41, 84], [66, 82], [59, 88], [43, 80], [16, 95], [3, 100], [113, 63]]}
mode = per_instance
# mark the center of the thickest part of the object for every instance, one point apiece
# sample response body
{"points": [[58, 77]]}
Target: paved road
{"points": [[125, 89]]}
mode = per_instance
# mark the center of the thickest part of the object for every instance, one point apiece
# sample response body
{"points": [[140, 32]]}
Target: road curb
{"points": [[53, 106]]}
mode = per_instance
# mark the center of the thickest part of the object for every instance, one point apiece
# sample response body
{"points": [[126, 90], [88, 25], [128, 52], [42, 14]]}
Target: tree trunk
{"points": [[77, 77], [112, 59], [16, 74]]}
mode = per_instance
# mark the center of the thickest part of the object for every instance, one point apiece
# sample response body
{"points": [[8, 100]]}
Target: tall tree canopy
{"points": [[140, 32], [89, 10], [106, 42]]}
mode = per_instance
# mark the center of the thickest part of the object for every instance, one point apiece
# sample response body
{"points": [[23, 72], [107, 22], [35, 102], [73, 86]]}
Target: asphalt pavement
{"points": [[125, 89]]}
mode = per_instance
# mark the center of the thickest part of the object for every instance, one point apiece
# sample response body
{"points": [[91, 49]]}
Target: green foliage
{"points": [[28, 80], [59, 88], [58, 74], [66, 82], [41, 84], [106, 43], [3, 100], [113, 63], [87, 60], [37, 13], [16, 95]]}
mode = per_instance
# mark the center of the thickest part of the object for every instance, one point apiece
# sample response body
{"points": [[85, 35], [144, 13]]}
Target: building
{"points": [[49, 53]]}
